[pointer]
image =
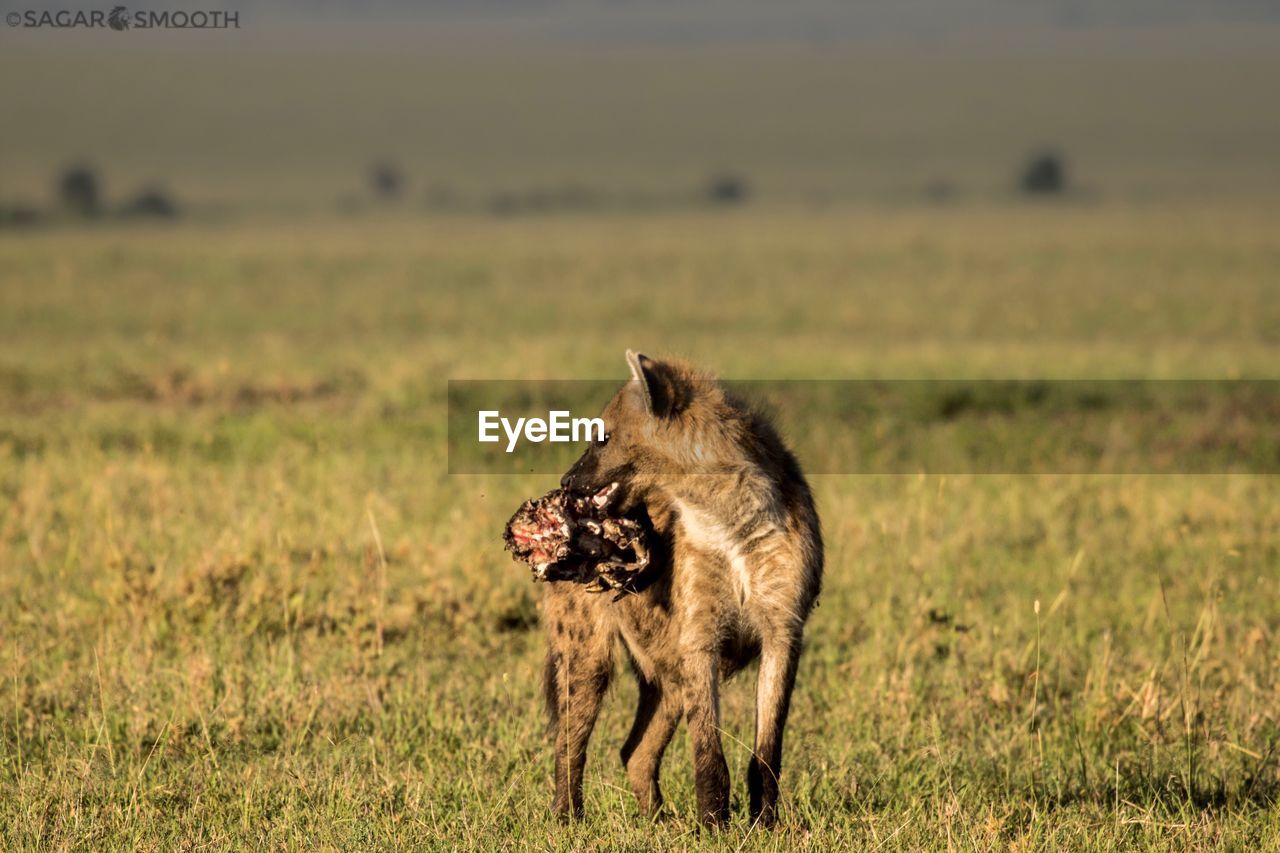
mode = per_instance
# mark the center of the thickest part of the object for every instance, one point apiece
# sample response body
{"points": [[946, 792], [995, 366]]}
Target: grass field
{"points": [[202, 428], [243, 604]]}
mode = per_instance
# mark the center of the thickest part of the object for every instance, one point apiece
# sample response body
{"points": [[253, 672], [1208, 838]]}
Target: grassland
{"points": [[243, 604]]}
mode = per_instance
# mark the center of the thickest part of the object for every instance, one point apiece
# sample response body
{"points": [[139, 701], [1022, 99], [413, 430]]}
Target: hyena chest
{"points": [[737, 570], [723, 588]]}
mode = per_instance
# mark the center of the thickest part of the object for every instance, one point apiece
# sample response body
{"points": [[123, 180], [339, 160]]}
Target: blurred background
{"points": [[243, 603], [509, 107]]}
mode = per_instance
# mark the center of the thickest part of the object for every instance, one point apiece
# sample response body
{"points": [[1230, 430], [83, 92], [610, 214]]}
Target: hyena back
{"points": [[735, 571]]}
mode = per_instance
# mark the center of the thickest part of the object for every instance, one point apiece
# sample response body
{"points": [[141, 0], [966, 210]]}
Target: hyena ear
{"points": [[660, 388]]}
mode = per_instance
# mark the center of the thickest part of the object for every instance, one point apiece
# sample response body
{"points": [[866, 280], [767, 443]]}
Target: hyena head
{"points": [[669, 420]]}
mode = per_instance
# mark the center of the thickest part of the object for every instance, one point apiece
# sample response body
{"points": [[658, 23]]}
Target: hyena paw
{"points": [[566, 811], [650, 804], [766, 818]]}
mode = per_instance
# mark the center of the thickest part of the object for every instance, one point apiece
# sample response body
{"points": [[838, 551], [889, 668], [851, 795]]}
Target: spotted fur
{"points": [[736, 569]]}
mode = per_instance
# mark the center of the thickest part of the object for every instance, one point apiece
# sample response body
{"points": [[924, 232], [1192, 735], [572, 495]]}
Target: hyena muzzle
{"points": [[736, 569]]}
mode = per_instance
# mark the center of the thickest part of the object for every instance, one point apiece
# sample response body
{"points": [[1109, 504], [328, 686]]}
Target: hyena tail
{"points": [[551, 689]]}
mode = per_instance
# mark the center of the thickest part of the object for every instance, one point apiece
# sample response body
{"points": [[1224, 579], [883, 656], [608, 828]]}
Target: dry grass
{"points": [[243, 604]]}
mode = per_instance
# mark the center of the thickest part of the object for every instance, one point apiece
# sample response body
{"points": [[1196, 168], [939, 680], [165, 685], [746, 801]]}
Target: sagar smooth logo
{"points": [[119, 18]]}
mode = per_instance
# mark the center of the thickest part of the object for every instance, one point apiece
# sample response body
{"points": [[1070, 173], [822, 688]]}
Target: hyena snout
{"points": [[581, 475], [587, 477]]}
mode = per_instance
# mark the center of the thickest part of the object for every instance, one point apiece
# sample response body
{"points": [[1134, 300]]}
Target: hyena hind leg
{"points": [[779, 657], [579, 667], [657, 716]]}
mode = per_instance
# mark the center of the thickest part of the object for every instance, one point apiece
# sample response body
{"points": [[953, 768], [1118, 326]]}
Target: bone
{"points": [[567, 537]]}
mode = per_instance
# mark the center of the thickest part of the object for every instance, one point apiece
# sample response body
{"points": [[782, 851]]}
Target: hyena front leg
{"points": [[779, 656], [701, 676], [579, 665], [657, 716]]}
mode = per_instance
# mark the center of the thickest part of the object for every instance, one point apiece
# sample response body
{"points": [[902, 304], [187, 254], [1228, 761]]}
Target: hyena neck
{"points": [[723, 501]]}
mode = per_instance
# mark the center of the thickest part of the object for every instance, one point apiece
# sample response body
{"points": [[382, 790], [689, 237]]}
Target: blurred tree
{"points": [[1044, 174], [78, 191], [386, 180], [727, 188]]}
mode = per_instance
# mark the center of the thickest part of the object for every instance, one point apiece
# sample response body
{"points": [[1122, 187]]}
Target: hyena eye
{"points": [[602, 442]]}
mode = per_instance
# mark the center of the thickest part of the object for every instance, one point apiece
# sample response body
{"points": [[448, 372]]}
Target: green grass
{"points": [[201, 427]]}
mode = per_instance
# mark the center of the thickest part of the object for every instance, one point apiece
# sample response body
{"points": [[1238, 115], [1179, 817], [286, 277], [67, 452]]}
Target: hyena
{"points": [[736, 568]]}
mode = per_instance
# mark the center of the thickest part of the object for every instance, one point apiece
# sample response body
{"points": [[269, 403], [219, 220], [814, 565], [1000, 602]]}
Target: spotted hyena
{"points": [[736, 569]]}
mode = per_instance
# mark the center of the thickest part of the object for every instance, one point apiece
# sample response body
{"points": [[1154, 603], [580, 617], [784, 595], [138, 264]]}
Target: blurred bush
{"points": [[79, 191], [154, 203], [1044, 174], [728, 188], [386, 180]]}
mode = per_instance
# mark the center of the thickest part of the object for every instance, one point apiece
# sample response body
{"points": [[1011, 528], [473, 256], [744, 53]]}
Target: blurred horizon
{"points": [[500, 106]]}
